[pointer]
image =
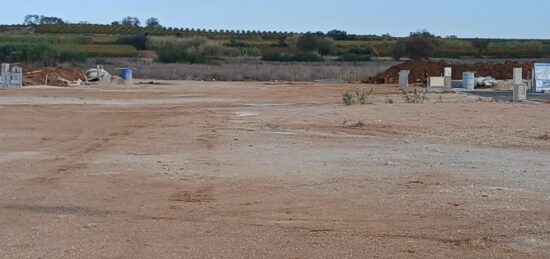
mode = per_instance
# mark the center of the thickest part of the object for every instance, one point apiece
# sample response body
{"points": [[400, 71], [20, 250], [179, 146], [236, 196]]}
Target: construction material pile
{"points": [[54, 76], [420, 70]]}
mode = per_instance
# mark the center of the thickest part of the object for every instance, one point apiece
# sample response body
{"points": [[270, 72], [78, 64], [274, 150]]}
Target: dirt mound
{"points": [[55, 76], [422, 69]]}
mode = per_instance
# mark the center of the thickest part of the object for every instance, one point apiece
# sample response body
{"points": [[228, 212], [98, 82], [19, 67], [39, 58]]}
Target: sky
{"points": [[464, 18]]}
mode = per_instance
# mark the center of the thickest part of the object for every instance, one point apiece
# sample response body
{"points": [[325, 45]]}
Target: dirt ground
{"points": [[278, 170]]}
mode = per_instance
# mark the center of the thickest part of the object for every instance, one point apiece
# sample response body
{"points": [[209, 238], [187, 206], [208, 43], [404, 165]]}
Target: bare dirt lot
{"points": [[252, 170]]}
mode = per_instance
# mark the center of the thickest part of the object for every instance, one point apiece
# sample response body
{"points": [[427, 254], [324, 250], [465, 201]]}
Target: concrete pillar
{"points": [[5, 76], [518, 76], [520, 89], [404, 79], [448, 74]]}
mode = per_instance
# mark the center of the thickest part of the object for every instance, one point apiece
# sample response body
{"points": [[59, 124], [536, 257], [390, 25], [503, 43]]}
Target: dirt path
{"points": [[270, 170]]}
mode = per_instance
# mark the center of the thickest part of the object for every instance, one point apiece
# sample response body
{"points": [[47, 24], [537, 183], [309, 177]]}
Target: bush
{"points": [[236, 43], [71, 56], [360, 51], [26, 52], [312, 42], [284, 57], [83, 40], [350, 57], [419, 47], [138, 41], [37, 52], [194, 50], [399, 50]]}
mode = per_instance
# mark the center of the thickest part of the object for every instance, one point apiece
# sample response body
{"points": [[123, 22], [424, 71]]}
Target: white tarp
{"points": [[542, 77]]}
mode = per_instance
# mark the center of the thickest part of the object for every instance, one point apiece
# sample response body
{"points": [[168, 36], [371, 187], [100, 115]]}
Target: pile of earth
{"points": [[55, 76], [420, 70]]}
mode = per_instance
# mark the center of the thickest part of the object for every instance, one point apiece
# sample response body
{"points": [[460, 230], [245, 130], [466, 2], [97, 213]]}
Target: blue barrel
{"points": [[468, 81], [126, 74]]}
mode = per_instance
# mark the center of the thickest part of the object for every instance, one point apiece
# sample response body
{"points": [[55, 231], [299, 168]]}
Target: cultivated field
{"points": [[281, 170]]}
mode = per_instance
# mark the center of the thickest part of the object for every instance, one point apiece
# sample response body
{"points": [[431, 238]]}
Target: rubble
{"points": [[54, 76], [421, 70]]}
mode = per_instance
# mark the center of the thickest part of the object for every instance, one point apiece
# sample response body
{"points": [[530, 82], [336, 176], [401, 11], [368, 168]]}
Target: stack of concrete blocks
{"points": [[11, 79], [404, 79], [520, 88]]}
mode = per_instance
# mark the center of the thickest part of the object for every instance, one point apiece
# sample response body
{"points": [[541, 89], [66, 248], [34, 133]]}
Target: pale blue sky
{"points": [[465, 18]]}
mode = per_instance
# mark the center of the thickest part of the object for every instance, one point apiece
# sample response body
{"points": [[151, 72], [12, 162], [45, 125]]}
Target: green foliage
{"points": [[480, 44], [139, 41], [360, 51], [194, 50], [36, 52], [416, 96], [356, 97], [26, 52], [350, 57], [83, 40], [236, 43], [312, 42], [399, 50], [388, 100], [348, 98], [419, 47], [300, 57], [98, 50]]}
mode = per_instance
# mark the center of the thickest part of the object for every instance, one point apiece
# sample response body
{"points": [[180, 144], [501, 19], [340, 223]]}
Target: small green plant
{"points": [[356, 97], [388, 100], [416, 96], [347, 98]]}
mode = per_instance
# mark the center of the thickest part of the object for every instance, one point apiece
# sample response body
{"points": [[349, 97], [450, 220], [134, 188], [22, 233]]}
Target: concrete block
{"points": [[404, 79], [518, 76], [520, 93]]}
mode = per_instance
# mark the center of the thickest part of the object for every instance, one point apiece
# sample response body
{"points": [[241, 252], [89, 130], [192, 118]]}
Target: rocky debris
{"points": [[54, 76], [420, 70]]}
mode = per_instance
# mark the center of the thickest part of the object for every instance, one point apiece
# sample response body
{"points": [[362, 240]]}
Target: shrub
{"points": [[415, 97], [307, 57], [312, 42], [350, 57], [83, 40], [419, 47], [139, 41], [347, 98], [236, 43], [357, 97], [399, 50], [360, 51], [284, 57], [71, 56], [25, 52], [37, 52]]}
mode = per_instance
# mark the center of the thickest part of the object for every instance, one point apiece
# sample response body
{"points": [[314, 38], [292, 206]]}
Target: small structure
{"points": [[520, 88], [404, 79], [541, 78], [436, 83], [11, 78], [448, 74]]}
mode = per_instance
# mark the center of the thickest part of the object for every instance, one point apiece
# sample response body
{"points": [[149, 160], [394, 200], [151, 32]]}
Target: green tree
{"points": [[153, 23], [481, 45], [420, 45], [131, 21], [313, 42]]}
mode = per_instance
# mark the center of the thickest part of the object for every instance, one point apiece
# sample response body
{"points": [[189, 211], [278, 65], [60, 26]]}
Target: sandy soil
{"points": [[252, 170]]}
